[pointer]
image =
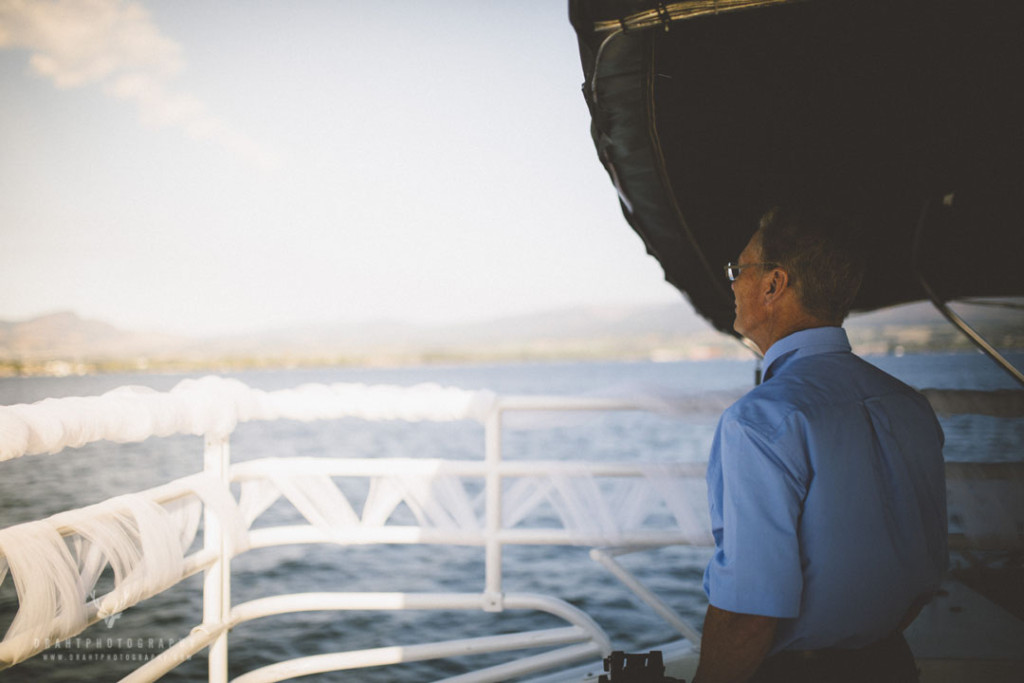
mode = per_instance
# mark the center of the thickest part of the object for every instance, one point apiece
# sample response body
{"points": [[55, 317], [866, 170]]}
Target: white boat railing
{"points": [[148, 539]]}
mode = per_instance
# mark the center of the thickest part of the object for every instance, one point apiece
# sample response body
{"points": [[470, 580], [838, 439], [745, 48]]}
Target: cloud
{"points": [[114, 45]]}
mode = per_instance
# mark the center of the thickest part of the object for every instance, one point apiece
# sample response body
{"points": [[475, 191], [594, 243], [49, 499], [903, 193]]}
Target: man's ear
{"points": [[777, 284]]}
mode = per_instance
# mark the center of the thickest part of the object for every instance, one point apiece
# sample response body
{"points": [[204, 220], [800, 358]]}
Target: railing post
{"points": [[492, 560], [217, 581]]}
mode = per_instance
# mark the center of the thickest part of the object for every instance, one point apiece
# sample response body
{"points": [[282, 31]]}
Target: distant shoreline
{"points": [[64, 344], [112, 366]]}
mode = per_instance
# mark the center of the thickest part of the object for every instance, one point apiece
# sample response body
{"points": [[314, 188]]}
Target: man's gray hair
{"points": [[823, 254]]}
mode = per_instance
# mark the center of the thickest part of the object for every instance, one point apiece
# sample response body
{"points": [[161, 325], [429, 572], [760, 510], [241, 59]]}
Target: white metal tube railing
{"points": [[377, 467], [607, 559], [221, 523], [493, 552], [315, 602], [582, 630], [201, 637], [530, 665], [386, 656], [19, 646], [299, 535], [496, 469], [217, 582]]}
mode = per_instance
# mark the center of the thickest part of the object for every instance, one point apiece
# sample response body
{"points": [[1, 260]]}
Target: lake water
{"points": [[37, 486]]}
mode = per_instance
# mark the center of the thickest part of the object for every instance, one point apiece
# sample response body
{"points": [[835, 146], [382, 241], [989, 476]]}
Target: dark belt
{"points": [[889, 660]]}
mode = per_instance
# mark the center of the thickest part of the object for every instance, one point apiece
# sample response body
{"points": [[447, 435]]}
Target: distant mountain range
{"points": [[66, 334], [65, 342]]}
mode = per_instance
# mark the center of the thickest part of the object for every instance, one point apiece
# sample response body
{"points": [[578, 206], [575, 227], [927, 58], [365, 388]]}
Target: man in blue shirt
{"points": [[826, 483]]}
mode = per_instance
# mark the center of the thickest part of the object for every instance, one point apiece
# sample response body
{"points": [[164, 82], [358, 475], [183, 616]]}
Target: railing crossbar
{"points": [[412, 535], [360, 659]]}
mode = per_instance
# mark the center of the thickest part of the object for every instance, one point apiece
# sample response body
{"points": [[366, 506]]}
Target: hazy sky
{"points": [[203, 167]]}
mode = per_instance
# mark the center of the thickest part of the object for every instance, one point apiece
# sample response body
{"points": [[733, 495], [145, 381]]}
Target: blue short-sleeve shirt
{"points": [[826, 486]]}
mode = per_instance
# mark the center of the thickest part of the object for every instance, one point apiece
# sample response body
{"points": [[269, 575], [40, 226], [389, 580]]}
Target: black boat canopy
{"points": [[907, 115]]}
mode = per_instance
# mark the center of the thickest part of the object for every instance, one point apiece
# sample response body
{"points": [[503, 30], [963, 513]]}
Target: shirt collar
{"points": [[804, 343]]}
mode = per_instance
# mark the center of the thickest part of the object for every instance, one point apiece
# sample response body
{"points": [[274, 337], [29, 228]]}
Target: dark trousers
{"points": [[887, 661]]}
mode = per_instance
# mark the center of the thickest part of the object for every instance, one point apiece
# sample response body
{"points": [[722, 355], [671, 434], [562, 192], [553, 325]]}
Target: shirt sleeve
{"points": [[756, 502]]}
